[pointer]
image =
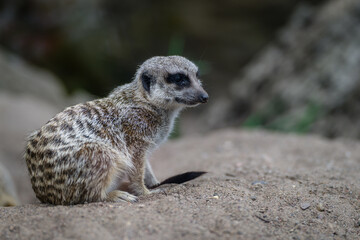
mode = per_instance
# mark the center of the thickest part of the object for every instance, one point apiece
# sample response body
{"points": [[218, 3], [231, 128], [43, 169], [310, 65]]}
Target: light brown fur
{"points": [[83, 153]]}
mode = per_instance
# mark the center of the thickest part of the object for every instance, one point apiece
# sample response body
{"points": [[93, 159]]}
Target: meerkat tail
{"points": [[181, 178]]}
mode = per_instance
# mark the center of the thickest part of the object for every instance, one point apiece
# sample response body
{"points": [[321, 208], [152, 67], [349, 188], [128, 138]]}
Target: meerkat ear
{"points": [[146, 80]]}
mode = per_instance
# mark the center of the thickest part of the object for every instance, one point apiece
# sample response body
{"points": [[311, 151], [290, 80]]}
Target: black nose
{"points": [[203, 98]]}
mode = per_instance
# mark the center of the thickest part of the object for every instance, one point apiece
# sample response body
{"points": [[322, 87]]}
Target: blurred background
{"points": [[282, 65]]}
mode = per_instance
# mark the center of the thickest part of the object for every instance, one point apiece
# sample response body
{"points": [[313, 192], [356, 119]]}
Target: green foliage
{"points": [[311, 114], [176, 45], [204, 67], [263, 117], [273, 117]]}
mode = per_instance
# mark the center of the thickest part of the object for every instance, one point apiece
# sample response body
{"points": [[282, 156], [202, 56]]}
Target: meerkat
{"points": [[84, 152]]}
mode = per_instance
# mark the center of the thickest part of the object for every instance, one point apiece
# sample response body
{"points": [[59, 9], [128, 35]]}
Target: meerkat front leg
{"points": [[137, 176], [150, 179]]}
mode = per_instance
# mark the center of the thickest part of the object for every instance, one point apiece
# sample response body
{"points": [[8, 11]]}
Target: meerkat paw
{"points": [[159, 190], [120, 196], [147, 192]]}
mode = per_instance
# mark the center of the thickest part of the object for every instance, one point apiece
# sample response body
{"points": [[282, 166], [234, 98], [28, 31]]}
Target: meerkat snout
{"points": [[203, 97], [192, 97]]}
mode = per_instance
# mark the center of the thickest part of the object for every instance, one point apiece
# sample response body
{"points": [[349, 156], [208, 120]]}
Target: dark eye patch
{"points": [[146, 80], [179, 79]]}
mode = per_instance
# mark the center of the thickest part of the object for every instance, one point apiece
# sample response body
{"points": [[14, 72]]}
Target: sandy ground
{"points": [[259, 186]]}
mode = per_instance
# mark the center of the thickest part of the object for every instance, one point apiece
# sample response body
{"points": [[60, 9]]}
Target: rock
{"points": [[29, 97], [357, 223], [307, 80], [19, 116], [8, 195], [20, 78], [215, 197], [305, 205], [259, 183], [92, 41], [320, 207]]}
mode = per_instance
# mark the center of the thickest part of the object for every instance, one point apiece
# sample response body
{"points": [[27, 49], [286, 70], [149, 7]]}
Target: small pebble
{"points": [[357, 223], [258, 182], [253, 198], [332, 228], [215, 196], [262, 210], [320, 207], [230, 175], [304, 205]]}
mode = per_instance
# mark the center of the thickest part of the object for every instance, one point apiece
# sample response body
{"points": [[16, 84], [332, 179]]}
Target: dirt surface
{"points": [[259, 186]]}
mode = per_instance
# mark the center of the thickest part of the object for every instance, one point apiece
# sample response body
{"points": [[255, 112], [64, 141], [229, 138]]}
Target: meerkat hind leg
{"points": [[103, 165], [120, 196]]}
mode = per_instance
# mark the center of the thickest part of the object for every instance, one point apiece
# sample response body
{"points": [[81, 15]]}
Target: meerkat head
{"points": [[171, 82]]}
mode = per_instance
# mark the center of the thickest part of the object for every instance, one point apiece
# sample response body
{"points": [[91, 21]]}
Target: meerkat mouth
{"points": [[186, 102]]}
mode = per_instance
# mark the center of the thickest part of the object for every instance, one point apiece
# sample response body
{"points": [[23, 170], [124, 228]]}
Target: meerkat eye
{"points": [[179, 79]]}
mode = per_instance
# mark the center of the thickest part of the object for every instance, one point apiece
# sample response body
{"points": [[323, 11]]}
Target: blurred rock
{"points": [[97, 44], [29, 97], [8, 196], [19, 78], [19, 116], [307, 80]]}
